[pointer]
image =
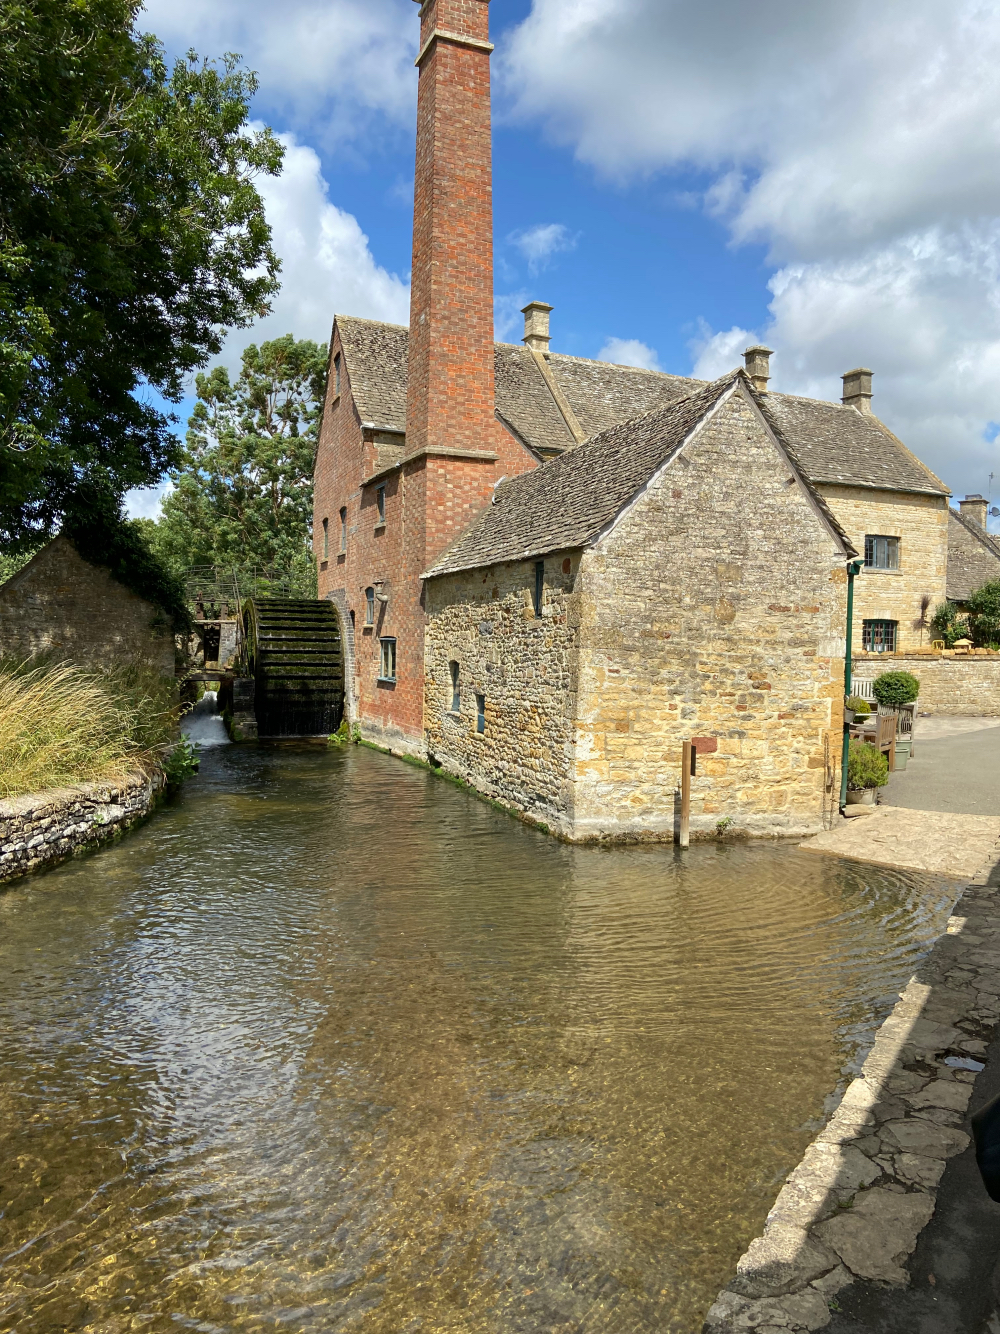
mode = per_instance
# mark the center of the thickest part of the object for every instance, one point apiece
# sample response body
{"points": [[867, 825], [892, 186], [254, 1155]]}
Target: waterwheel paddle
{"points": [[293, 650]]}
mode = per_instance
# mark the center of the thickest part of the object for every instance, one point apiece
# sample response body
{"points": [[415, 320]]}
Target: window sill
{"points": [[875, 569], [380, 527], [366, 629], [341, 557], [385, 680], [453, 713], [323, 564]]}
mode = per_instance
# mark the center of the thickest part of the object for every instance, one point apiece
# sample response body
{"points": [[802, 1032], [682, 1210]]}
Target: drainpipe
{"points": [[853, 568]]}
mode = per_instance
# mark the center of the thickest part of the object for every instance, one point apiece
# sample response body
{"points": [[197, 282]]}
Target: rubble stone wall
{"points": [[42, 828], [954, 686]]}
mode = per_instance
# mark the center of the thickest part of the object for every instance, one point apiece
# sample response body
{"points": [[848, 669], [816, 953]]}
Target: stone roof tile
{"points": [[973, 557]]}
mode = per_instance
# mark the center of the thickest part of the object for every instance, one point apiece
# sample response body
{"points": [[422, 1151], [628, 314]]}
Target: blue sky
{"points": [[677, 180]]}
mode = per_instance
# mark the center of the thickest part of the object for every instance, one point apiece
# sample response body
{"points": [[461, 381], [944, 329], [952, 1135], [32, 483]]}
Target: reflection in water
{"points": [[330, 1045]]}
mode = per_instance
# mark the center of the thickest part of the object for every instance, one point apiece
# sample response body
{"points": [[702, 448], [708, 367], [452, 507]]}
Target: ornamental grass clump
{"points": [[892, 689], [866, 767], [61, 725]]}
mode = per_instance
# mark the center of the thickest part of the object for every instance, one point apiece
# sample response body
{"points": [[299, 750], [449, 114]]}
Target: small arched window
{"points": [[369, 606], [336, 374], [456, 692]]}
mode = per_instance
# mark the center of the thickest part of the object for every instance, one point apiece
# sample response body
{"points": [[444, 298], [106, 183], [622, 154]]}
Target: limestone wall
{"points": [[525, 667], [715, 608], [921, 524], [46, 827], [61, 604], [958, 686]]}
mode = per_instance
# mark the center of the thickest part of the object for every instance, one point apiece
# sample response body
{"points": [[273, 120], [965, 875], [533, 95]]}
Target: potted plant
{"points": [[892, 689], [857, 709], [867, 769]]}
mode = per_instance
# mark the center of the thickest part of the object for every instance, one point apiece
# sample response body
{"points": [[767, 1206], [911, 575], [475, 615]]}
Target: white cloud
{"points": [[538, 244], [508, 321], [629, 352], [327, 265], [342, 66], [143, 502], [858, 142]]}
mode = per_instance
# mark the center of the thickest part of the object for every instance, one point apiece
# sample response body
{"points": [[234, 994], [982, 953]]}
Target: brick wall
{"points": [[61, 604], [951, 686], [921, 524]]}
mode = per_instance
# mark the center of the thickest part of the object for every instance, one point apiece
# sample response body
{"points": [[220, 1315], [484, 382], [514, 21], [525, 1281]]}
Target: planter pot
{"points": [[861, 796], [903, 753]]}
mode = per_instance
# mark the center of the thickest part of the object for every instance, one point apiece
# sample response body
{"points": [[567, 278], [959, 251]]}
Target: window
{"points": [[380, 502], [539, 586], [881, 553], [326, 539], [456, 693], [878, 636], [387, 661], [352, 619], [480, 713], [343, 529], [369, 606], [336, 374]]}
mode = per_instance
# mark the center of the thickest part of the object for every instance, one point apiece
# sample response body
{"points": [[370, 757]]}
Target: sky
{"points": [[678, 180]]}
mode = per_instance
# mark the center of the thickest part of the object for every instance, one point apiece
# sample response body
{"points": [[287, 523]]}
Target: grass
{"points": [[61, 724]]}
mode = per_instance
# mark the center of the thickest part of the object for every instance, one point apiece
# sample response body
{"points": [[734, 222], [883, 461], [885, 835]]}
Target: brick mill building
{"points": [[550, 570]]}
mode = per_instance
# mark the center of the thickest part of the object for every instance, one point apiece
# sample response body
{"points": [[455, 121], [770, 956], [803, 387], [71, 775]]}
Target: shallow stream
{"points": [[330, 1045]]}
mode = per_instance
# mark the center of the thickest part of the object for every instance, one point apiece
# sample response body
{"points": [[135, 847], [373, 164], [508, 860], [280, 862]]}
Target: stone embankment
{"points": [[855, 1205], [45, 827]]}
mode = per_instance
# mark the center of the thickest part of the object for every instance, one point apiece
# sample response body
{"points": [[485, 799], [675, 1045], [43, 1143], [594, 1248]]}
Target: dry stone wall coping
{"points": [[42, 828], [857, 1202]]}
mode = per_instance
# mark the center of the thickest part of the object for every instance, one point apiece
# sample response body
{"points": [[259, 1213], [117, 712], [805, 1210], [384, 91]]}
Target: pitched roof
{"points": [[973, 557], [833, 443], [568, 501], [838, 444]]}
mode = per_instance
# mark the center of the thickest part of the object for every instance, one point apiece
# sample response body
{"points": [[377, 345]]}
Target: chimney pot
{"points": [[858, 389], [974, 508], [536, 325], [757, 361]]}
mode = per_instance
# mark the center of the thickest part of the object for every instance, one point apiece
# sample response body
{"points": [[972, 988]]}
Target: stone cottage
{"points": [[61, 605], [973, 553], [677, 575], [425, 428]]}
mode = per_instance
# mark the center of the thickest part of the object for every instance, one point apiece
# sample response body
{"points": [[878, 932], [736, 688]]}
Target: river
{"points": [[330, 1045]]}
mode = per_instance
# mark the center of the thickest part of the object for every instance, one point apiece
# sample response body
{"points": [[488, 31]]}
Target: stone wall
{"points": [[952, 685], [714, 608], [62, 605], [46, 827], [921, 524], [525, 668]]}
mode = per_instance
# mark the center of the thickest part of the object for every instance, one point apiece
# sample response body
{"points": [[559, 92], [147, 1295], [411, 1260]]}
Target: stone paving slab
{"points": [[939, 727], [855, 1206], [936, 841]]}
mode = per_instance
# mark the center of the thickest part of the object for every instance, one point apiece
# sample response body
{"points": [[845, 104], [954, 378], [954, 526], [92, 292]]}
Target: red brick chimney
{"points": [[450, 380]]}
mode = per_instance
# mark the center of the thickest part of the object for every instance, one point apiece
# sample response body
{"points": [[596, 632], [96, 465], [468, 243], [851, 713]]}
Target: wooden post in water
{"points": [[686, 766]]}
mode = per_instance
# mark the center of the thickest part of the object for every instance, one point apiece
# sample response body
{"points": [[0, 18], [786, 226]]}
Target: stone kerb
{"points": [[43, 828], [855, 1205]]}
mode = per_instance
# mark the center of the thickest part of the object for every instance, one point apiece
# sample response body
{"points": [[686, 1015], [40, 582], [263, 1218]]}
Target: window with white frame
{"points": [[387, 660], [881, 553]]}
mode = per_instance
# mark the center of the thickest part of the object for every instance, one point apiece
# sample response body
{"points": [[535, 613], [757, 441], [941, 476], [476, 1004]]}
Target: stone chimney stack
{"points": [[857, 389], [974, 508], [449, 399], [536, 325], [757, 361]]}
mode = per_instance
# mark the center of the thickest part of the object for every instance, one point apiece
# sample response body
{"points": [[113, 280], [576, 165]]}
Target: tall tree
{"points": [[242, 495], [131, 236]]}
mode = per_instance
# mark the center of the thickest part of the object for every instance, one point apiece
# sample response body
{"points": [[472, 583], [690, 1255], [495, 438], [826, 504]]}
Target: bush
{"points": [[892, 689], [860, 705], [181, 763], [866, 767], [947, 624], [61, 725], [984, 614]]}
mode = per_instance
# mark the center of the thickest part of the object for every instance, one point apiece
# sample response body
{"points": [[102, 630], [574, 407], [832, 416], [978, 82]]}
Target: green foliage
{"points": [[948, 624], [62, 724], [180, 763], [984, 614], [866, 767], [131, 236], [892, 689], [860, 705], [95, 525], [243, 493]]}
